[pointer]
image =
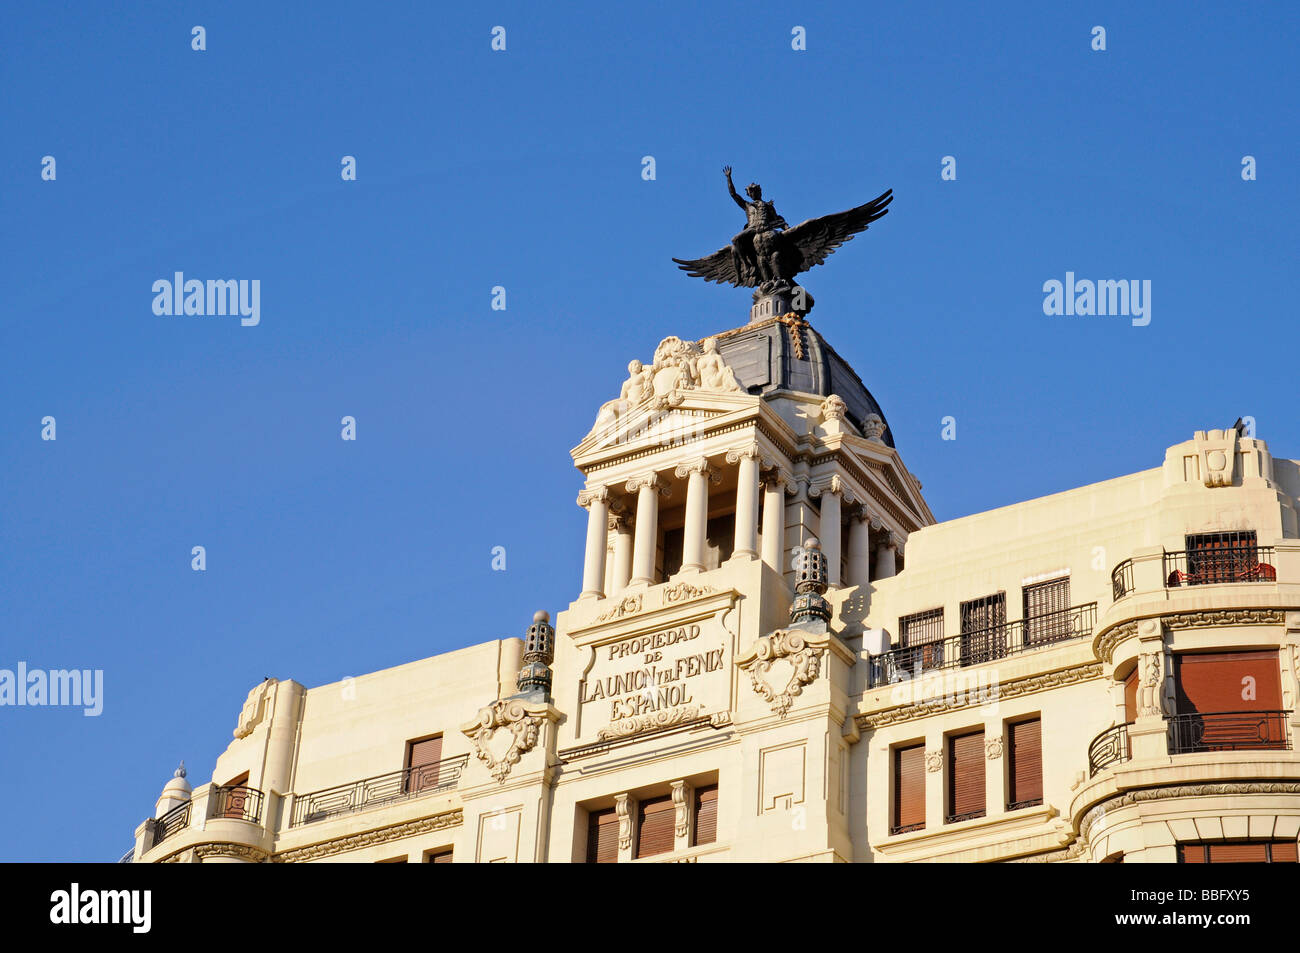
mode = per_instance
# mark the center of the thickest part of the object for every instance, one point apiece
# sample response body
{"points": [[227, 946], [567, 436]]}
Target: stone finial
{"points": [[539, 653], [873, 428], [834, 408], [180, 772], [810, 573]]}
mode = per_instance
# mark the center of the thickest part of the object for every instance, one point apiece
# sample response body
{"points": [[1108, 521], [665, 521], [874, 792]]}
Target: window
{"points": [[1047, 611], [1238, 852], [909, 789], [422, 757], [1226, 701], [1025, 763], [1221, 557], [441, 856], [965, 776], [655, 822], [923, 632], [235, 797], [984, 629], [602, 836], [706, 815]]}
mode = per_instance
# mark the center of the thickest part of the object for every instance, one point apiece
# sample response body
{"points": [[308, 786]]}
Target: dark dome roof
{"points": [[783, 354]]}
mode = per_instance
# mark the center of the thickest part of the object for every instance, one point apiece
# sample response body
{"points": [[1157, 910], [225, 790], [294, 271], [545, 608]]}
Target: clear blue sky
{"points": [[523, 169]]}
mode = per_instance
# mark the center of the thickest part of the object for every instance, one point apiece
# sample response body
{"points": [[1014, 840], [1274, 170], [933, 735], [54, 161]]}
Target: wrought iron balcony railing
{"points": [[1121, 579], [178, 818], [237, 801], [984, 645], [1209, 566], [1109, 747], [1229, 731], [382, 789]]}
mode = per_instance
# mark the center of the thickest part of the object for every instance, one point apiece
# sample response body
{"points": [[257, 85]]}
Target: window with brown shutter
{"points": [[909, 789], [706, 815], [1238, 852], [1131, 695], [235, 796], [923, 633], [655, 822], [1227, 700], [438, 856], [1025, 763], [602, 837], [984, 629], [1047, 615], [965, 777], [422, 759]]}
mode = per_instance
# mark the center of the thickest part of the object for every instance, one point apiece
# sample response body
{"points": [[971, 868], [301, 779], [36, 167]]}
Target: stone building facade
{"points": [[776, 654]]}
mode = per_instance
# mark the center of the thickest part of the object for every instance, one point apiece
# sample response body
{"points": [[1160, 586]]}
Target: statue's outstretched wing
{"points": [[719, 267], [818, 237]]}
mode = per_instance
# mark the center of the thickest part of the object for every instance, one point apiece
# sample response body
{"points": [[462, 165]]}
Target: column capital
{"points": [[617, 521], [833, 485], [778, 476], [712, 473], [652, 480], [595, 494], [864, 515], [744, 453]]}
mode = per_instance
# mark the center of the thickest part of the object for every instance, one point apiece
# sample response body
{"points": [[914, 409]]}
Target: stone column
{"points": [[647, 488], [746, 503], [596, 500], [829, 531], [774, 521], [860, 548], [885, 556], [621, 525], [698, 475]]}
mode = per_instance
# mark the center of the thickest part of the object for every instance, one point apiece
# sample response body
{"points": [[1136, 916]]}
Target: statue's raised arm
{"points": [[726, 170]]}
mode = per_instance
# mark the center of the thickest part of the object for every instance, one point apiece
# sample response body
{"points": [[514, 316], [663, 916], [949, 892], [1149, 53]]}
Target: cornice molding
{"points": [[380, 835]]}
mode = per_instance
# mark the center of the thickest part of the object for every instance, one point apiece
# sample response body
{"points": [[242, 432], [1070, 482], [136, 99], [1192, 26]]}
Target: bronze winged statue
{"points": [[768, 253]]}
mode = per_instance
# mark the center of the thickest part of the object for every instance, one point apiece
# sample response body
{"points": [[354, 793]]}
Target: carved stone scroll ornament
{"points": [[520, 728], [681, 810], [1151, 696], [934, 761], [664, 718], [993, 748], [801, 653], [254, 709], [623, 809]]}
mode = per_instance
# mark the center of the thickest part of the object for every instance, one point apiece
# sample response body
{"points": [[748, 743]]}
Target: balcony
{"points": [[984, 645], [177, 819], [239, 802], [381, 789], [1109, 747], [1229, 731], [1121, 580], [1210, 566]]}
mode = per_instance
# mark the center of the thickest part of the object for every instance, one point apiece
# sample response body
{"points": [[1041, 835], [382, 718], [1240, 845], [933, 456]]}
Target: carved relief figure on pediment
{"points": [[712, 371]]}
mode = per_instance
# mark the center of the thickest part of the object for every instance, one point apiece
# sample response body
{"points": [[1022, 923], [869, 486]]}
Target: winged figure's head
{"points": [[754, 191]]}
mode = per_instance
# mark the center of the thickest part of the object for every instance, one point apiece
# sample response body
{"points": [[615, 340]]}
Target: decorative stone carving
{"points": [[1215, 618], [1111, 638], [381, 835], [597, 494], [873, 428], [746, 453], [711, 473], [628, 605], [653, 480], [802, 654], [834, 408], [712, 371], [1023, 686], [622, 809], [993, 748], [681, 810], [934, 761], [254, 709], [513, 717], [664, 718], [684, 591], [1151, 701], [720, 719]]}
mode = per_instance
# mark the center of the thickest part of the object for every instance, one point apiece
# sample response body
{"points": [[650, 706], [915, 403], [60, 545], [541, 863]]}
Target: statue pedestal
{"points": [[794, 300]]}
